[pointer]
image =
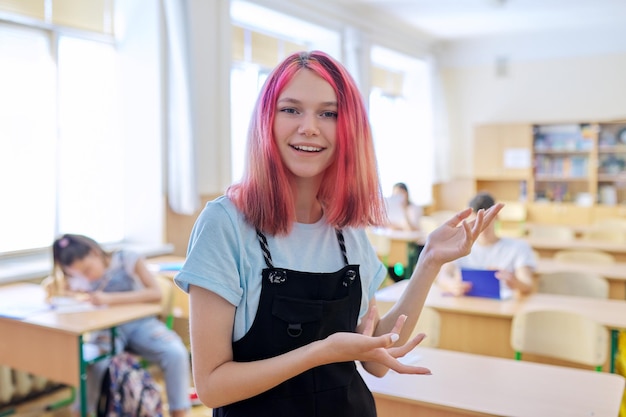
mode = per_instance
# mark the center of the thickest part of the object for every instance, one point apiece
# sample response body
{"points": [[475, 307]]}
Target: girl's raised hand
{"points": [[455, 238]]}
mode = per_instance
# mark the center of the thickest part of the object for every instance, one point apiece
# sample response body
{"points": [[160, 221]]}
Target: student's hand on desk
{"points": [[99, 298], [456, 287], [508, 278], [455, 238]]}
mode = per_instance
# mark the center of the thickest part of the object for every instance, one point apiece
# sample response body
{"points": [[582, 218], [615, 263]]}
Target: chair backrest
{"points": [[429, 323], [582, 284], [167, 299], [381, 244], [428, 224], [562, 335], [442, 216], [552, 231], [617, 235], [511, 219], [513, 211], [611, 223], [584, 256]]}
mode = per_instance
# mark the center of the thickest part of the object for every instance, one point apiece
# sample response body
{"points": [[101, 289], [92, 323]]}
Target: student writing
{"points": [[82, 266]]}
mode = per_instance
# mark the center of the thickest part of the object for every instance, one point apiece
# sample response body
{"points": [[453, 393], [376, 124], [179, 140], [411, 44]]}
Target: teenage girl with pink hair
{"points": [[280, 273]]}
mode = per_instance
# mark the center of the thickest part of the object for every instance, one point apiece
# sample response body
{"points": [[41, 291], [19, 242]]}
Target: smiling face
{"points": [[305, 125]]}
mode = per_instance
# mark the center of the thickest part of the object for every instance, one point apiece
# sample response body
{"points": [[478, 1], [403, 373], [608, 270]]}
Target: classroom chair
{"points": [[610, 223], [428, 224], [605, 234], [429, 323], [442, 216], [577, 283], [167, 311], [551, 231], [584, 256], [511, 219], [381, 244], [561, 335], [167, 300]]}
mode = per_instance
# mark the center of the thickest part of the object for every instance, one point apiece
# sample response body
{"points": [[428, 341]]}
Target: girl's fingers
{"points": [[397, 328]]}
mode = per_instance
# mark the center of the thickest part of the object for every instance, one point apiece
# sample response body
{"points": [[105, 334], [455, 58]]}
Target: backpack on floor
{"points": [[128, 390]]}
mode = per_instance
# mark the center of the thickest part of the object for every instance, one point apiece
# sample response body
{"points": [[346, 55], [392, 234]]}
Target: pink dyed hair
{"points": [[350, 192]]}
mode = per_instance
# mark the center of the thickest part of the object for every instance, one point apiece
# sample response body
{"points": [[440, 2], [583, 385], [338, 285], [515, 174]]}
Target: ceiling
{"points": [[458, 19]]}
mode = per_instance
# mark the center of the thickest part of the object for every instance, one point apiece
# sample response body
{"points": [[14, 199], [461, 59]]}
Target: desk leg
{"points": [[83, 378], [614, 339]]}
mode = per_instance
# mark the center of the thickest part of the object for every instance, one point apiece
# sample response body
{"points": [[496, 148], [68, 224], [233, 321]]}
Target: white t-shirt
{"points": [[506, 254], [224, 256], [403, 217]]}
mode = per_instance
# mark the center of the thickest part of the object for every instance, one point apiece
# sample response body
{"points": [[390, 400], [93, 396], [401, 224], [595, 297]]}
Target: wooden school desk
{"points": [[615, 273], [547, 247], [464, 384], [49, 343], [398, 239], [468, 324], [483, 326]]}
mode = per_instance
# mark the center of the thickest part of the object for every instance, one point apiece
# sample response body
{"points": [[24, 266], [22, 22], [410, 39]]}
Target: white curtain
{"points": [[181, 173]]}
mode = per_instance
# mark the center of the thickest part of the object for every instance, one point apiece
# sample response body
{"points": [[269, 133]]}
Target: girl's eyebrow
{"points": [[296, 101]]}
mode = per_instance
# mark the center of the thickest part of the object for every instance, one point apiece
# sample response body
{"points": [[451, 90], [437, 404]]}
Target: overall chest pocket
{"points": [[297, 322]]}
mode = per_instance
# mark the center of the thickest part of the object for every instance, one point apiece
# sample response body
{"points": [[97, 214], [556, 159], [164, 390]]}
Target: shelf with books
{"points": [[563, 154]]}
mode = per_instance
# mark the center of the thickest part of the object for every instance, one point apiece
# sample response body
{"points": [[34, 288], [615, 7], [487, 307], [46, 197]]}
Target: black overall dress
{"points": [[295, 309]]}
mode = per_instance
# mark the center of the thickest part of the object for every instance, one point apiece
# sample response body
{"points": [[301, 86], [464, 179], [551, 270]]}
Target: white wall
{"points": [[550, 77]]}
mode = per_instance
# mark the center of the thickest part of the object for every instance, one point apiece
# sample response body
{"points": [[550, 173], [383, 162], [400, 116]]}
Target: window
{"points": [[60, 161], [401, 118], [261, 39], [81, 133], [27, 139]]}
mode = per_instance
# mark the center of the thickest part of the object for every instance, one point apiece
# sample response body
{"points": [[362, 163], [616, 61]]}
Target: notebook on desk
{"points": [[484, 283]]}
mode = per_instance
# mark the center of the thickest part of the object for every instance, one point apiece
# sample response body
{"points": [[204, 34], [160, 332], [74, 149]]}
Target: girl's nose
{"points": [[308, 127]]}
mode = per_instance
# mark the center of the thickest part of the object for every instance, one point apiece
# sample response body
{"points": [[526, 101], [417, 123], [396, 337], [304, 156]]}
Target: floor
{"points": [[36, 408]]}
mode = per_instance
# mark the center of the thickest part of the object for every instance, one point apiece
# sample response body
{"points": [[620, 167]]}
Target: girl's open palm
{"points": [[455, 238], [380, 349]]}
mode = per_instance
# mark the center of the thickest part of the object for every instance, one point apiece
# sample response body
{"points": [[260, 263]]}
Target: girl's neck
{"points": [[308, 208]]}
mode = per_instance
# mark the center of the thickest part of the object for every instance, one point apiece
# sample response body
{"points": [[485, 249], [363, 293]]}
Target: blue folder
{"points": [[484, 282]]}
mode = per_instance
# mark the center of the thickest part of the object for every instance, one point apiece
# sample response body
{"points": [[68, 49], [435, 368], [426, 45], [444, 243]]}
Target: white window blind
{"points": [[60, 157], [27, 139]]}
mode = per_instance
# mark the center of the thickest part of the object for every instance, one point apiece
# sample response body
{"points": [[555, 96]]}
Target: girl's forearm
{"points": [[236, 381], [412, 299]]}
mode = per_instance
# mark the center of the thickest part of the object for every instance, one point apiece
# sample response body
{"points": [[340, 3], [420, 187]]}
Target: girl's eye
{"points": [[289, 110], [330, 114]]}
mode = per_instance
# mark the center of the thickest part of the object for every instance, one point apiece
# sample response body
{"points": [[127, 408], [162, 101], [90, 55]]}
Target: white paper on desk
{"points": [[84, 306], [23, 311], [70, 305]]}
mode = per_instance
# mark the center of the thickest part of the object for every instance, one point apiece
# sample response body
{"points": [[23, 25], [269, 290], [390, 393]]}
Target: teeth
{"points": [[308, 148]]}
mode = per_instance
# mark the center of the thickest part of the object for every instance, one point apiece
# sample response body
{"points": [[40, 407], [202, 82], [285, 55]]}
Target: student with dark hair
{"points": [[512, 258], [82, 266], [406, 216], [280, 273]]}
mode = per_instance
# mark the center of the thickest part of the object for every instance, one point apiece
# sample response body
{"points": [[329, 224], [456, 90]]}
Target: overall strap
{"points": [[268, 256], [342, 245], [265, 248]]}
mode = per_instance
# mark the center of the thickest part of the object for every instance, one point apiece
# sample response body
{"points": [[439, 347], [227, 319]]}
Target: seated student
{"points": [[512, 258], [404, 215], [81, 266], [409, 214]]}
